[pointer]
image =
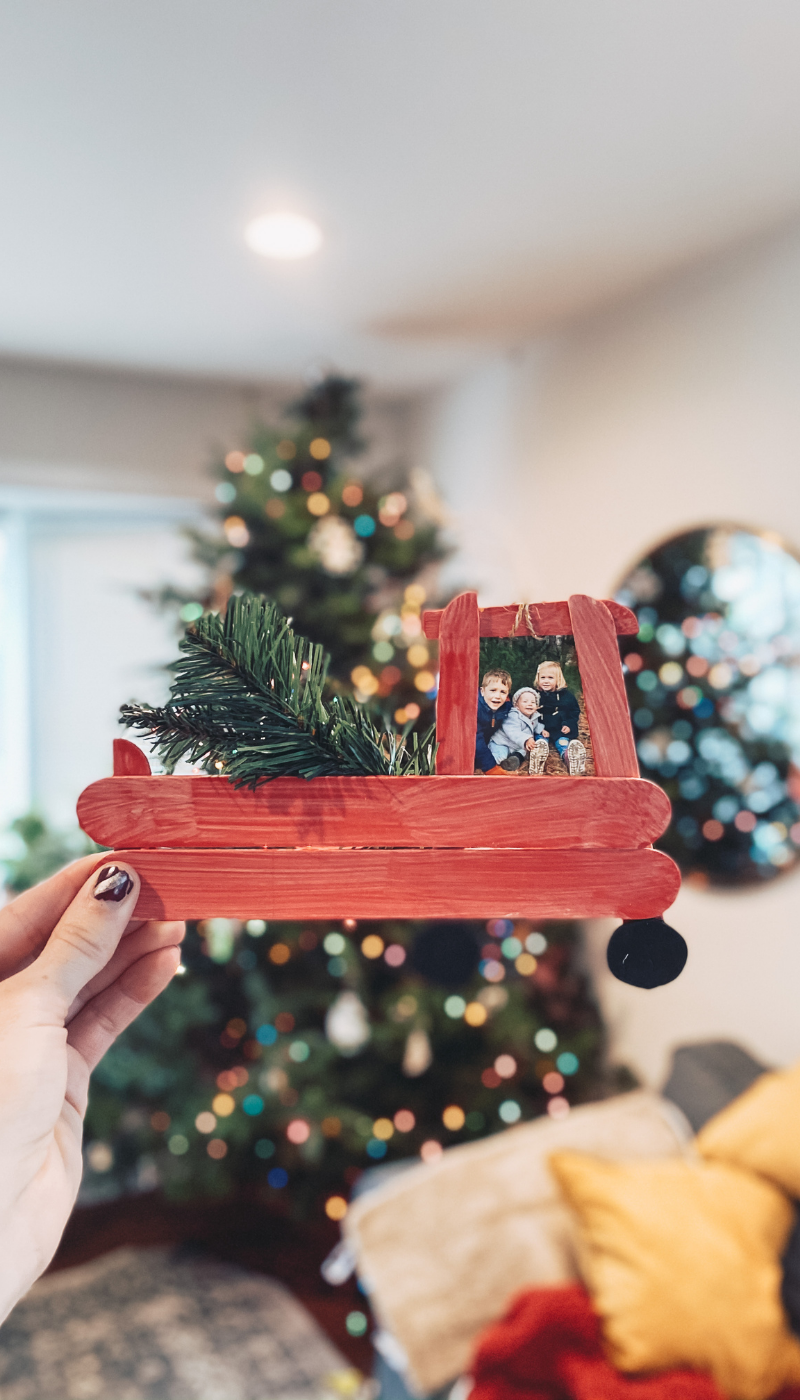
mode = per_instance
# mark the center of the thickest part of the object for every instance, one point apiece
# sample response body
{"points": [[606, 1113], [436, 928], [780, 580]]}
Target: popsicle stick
{"points": [[548, 619], [534, 812], [603, 688], [129, 760], [325, 884], [457, 701]]}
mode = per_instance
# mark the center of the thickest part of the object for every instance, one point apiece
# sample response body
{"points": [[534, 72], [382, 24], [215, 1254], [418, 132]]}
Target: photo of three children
{"points": [[538, 727]]}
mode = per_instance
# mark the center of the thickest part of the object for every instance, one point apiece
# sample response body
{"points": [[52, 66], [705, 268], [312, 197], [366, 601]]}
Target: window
{"points": [[77, 638]]}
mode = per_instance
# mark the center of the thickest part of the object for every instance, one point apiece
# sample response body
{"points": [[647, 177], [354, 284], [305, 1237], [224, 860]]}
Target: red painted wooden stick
{"points": [[539, 812], [325, 884], [548, 620], [129, 760], [457, 702], [603, 688]]}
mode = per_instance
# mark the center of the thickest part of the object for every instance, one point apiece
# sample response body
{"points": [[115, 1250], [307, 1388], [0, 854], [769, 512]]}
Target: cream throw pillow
{"points": [[444, 1246], [683, 1262]]}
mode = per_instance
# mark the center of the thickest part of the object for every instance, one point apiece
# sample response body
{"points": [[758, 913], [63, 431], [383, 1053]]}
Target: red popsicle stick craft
{"points": [[451, 845]]}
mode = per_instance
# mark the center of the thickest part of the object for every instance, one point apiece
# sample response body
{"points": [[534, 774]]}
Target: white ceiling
{"points": [[481, 169]]}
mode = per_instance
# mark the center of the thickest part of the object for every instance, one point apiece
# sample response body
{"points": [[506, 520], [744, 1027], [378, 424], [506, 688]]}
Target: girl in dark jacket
{"points": [[559, 715]]}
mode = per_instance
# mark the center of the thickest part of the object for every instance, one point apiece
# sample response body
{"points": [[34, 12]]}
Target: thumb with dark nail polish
{"points": [[112, 883]]}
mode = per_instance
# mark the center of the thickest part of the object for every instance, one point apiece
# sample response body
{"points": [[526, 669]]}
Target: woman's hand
{"points": [[75, 970]]}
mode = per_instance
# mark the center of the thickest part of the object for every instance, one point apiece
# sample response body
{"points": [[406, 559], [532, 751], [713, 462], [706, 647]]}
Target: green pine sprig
{"points": [[248, 700]]}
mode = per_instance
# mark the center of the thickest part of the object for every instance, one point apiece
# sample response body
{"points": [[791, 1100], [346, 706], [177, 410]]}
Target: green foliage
{"points": [[34, 851], [249, 700], [161, 1060], [521, 657]]}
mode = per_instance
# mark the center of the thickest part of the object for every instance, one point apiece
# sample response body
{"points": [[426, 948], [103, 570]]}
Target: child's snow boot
{"points": [[576, 758], [538, 756]]}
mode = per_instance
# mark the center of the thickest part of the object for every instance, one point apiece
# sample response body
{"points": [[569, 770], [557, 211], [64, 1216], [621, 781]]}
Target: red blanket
{"points": [[548, 1347]]}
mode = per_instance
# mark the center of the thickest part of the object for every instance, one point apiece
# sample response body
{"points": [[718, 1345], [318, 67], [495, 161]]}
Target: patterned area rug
{"points": [[165, 1324]]}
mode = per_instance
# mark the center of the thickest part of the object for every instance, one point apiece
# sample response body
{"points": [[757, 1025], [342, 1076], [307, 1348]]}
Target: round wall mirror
{"points": [[713, 683]]}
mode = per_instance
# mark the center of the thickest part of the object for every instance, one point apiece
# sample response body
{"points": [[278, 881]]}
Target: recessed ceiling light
{"points": [[283, 236]]}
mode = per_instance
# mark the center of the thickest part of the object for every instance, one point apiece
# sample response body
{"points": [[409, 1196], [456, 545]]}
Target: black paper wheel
{"points": [[646, 953]]}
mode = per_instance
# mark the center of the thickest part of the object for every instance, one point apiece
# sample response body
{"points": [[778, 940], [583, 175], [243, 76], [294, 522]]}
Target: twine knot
{"points": [[524, 615]]}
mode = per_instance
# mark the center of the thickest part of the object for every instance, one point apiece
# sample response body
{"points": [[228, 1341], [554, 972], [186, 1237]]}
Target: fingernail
{"points": [[113, 883]]}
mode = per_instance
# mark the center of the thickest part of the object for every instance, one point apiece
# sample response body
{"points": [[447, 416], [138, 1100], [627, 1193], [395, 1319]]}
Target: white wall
{"points": [[76, 427], [676, 408]]}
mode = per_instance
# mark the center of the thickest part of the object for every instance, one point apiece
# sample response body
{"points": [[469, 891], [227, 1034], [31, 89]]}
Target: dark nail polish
{"points": [[113, 883]]}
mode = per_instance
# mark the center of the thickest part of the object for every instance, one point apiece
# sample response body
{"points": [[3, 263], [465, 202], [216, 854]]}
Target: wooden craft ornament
{"points": [[450, 845]]}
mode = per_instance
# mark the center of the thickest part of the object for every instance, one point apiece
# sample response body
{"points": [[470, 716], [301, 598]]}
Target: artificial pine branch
{"points": [[248, 700]]}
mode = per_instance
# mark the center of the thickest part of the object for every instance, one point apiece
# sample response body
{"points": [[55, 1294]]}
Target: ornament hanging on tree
{"points": [[347, 1024], [418, 1054], [335, 543], [446, 953]]}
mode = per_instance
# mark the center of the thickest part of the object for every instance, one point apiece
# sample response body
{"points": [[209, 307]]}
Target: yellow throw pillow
{"points": [[760, 1130], [683, 1262]]}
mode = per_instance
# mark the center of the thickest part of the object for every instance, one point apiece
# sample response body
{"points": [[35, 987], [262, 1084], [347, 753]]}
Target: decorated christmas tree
{"points": [[350, 559], [288, 1057]]}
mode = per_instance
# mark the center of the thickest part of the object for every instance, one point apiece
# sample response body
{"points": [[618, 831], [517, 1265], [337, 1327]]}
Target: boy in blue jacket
{"points": [[516, 741], [493, 706]]}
